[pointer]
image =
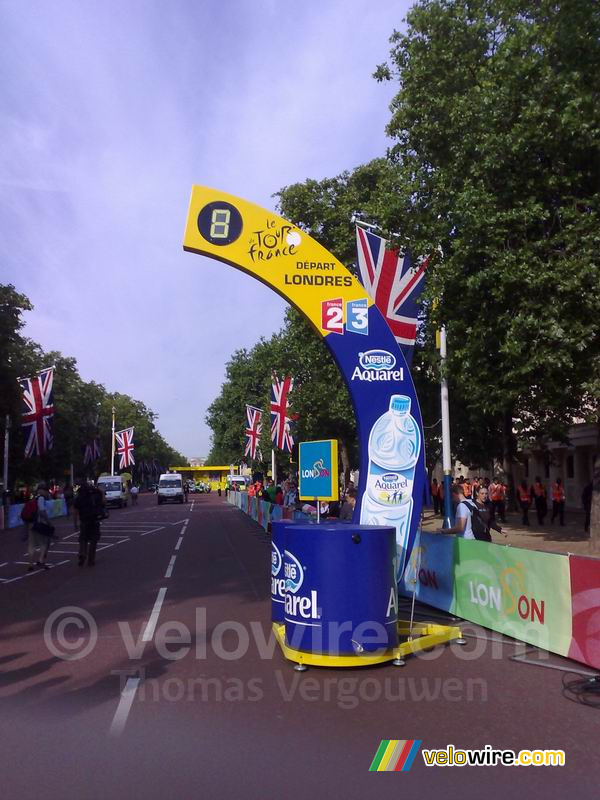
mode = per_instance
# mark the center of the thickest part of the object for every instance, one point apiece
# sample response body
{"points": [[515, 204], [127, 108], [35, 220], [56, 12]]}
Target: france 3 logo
{"points": [[356, 318]]}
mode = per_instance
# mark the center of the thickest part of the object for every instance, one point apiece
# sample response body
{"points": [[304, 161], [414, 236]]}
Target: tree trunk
{"points": [[345, 456], [508, 457], [595, 516]]}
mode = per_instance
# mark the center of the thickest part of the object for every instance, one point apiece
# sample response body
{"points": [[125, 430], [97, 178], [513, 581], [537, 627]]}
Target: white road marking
{"points": [[154, 530], [4, 564], [179, 521], [178, 545], [192, 506], [127, 697], [169, 571], [151, 625]]}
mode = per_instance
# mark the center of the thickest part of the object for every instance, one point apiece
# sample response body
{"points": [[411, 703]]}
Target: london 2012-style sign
{"points": [[284, 257]]}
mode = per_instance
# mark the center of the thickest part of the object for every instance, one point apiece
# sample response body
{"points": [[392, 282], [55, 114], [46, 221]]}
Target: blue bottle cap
{"points": [[400, 403]]}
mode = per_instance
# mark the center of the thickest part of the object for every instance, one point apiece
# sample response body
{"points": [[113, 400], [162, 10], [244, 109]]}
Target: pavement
{"points": [[549, 537], [154, 674]]}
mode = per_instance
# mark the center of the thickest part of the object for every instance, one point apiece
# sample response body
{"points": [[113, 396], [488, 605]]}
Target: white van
{"points": [[170, 487], [116, 491], [238, 483]]}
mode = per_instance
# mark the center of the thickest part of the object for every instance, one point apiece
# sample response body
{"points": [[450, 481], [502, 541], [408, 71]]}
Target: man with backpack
{"points": [[472, 518], [89, 503]]}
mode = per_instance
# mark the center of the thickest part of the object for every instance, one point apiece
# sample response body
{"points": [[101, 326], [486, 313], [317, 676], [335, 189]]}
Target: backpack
{"points": [[29, 511], [479, 525]]}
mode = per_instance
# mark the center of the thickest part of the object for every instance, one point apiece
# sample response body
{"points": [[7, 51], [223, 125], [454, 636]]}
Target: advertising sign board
{"points": [[292, 263], [318, 470]]}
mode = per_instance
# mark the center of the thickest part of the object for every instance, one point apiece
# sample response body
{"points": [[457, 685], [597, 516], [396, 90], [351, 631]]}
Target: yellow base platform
{"points": [[425, 635]]}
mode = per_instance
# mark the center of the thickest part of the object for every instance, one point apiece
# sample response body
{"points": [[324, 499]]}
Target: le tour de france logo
{"points": [[273, 241], [377, 365]]}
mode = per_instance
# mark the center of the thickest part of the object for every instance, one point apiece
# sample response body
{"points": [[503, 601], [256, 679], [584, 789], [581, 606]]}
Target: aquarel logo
{"points": [[294, 574], [277, 580], [377, 365], [276, 559], [296, 605]]}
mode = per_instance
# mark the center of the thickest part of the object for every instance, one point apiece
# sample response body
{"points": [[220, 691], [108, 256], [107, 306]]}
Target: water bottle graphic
{"points": [[394, 447]]}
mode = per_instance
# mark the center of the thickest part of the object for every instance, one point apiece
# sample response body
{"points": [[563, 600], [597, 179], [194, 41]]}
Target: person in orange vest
{"points": [[498, 498], [524, 501], [538, 492], [558, 501], [251, 490]]}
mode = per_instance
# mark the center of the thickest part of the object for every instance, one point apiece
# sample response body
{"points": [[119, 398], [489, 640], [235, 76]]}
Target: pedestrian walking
{"points": [[68, 496], [558, 501], [134, 491], [524, 498], [538, 493], [41, 531], [484, 509], [90, 507]]}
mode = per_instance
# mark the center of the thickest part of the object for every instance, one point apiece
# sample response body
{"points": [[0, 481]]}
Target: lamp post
{"points": [[446, 453], [112, 445]]}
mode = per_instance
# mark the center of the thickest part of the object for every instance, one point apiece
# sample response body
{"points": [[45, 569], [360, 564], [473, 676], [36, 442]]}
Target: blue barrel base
{"points": [[341, 597]]}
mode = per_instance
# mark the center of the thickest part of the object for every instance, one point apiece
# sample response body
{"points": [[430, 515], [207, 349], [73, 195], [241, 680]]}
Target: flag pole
{"points": [[273, 467], [112, 446], [446, 453]]}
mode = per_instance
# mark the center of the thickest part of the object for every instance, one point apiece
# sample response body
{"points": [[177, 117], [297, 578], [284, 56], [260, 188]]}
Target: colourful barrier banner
{"points": [[548, 600], [55, 508], [522, 593], [585, 604], [260, 511], [431, 569]]}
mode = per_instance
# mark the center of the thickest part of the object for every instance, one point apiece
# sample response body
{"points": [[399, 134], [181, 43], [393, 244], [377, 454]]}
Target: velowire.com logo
{"points": [[395, 755]]}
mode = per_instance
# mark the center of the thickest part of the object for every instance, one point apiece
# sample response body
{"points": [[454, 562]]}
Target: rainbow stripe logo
{"points": [[395, 755]]}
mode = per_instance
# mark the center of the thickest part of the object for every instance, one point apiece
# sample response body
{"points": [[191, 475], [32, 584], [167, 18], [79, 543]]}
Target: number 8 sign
{"points": [[220, 223]]}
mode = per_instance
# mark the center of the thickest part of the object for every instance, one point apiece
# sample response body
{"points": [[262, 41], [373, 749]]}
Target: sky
{"points": [[109, 113]]}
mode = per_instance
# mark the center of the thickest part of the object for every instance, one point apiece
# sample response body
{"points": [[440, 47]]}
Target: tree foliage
{"points": [[497, 144]]}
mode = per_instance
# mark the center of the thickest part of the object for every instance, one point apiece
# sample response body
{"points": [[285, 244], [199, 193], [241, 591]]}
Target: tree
{"points": [[497, 142]]}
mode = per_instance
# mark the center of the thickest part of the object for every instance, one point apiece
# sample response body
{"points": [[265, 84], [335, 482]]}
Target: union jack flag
{"points": [[394, 285], [253, 431], [91, 451], [125, 447], [38, 412], [281, 434]]}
